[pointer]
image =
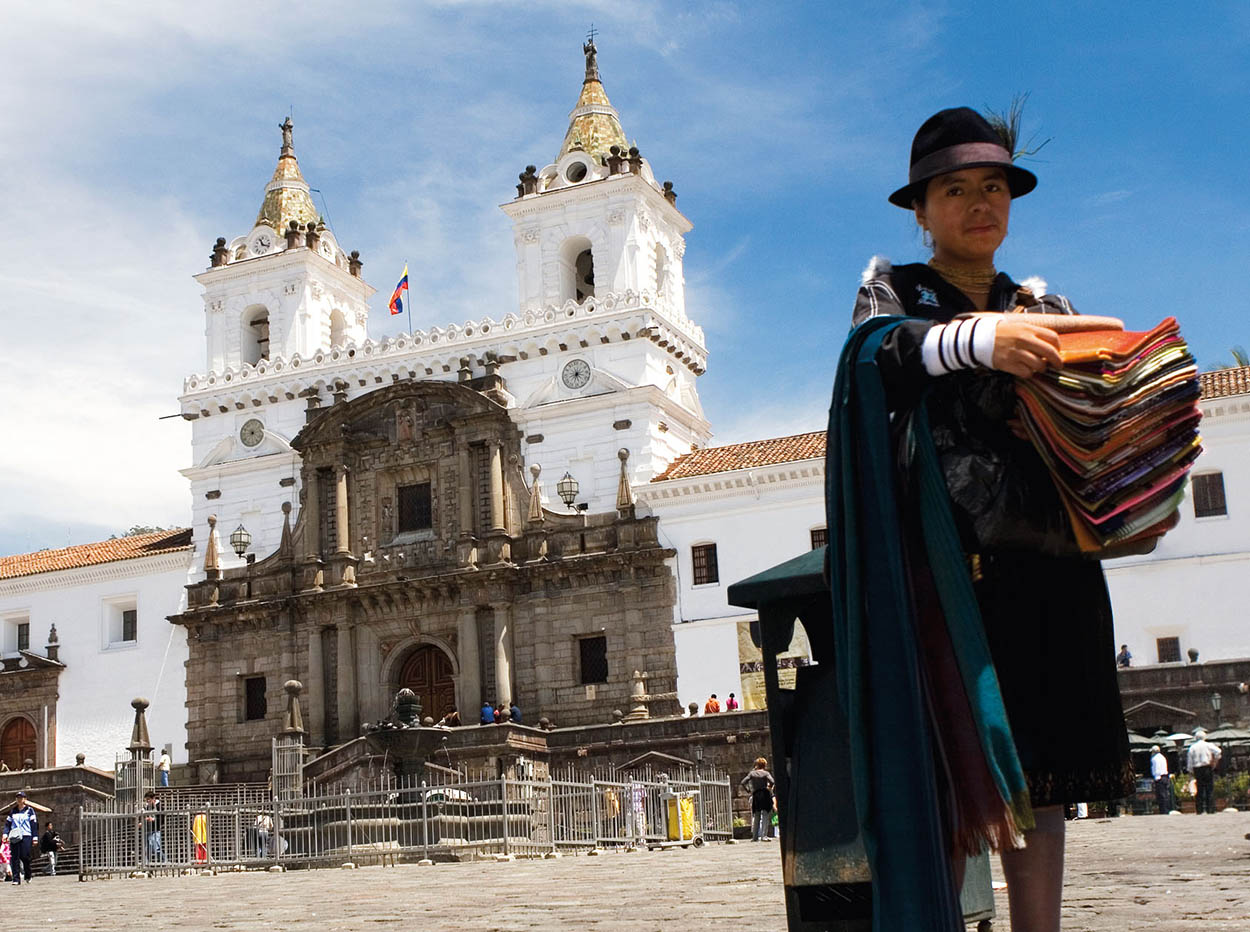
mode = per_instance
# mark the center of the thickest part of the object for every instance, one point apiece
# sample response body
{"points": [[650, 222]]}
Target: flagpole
{"points": [[408, 306]]}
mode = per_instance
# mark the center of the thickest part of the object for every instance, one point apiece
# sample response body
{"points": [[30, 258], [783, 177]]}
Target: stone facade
{"points": [[500, 591], [28, 696]]}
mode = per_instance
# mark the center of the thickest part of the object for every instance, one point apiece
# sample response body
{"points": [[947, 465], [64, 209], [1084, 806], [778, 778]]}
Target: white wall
{"points": [[1194, 585], [94, 715], [757, 518]]}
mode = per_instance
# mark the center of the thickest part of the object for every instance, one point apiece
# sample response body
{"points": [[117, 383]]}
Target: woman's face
{"points": [[966, 214]]}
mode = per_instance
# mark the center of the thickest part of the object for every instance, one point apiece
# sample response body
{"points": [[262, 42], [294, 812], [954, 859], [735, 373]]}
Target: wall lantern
{"points": [[567, 488], [240, 540], [1216, 703]]}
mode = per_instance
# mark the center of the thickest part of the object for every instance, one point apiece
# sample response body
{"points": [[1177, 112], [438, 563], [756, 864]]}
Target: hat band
{"points": [[952, 157]]}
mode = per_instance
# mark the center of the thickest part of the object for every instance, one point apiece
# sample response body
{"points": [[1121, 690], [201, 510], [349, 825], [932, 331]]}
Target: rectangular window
{"points": [[23, 635], [820, 537], [121, 621], [254, 703], [704, 558], [1208, 491], [414, 508], [594, 657], [1169, 650], [130, 624]]}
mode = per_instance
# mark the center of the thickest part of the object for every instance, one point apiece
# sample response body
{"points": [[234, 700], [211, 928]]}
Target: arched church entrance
{"points": [[427, 672], [17, 742]]}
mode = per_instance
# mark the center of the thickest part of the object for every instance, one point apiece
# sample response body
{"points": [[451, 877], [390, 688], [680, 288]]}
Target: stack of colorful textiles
{"points": [[1118, 428]]}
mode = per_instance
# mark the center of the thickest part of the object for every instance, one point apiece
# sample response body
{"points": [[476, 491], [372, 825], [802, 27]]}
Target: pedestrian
{"points": [[264, 828], [488, 714], [450, 720], [497, 713], [514, 713], [759, 784], [162, 767], [50, 844], [153, 824], [1124, 658], [731, 704], [1163, 780], [926, 450], [712, 705], [21, 828], [1202, 760], [5, 856]]}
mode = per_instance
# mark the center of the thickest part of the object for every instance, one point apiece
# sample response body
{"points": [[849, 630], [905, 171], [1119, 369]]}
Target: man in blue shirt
{"points": [[488, 714], [20, 829]]}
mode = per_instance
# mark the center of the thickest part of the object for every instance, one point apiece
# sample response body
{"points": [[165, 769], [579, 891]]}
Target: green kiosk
{"points": [[827, 881]]}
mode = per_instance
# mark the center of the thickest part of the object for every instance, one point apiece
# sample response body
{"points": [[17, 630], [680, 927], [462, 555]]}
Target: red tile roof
{"points": [[746, 456], [1224, 382], [105, 551]]}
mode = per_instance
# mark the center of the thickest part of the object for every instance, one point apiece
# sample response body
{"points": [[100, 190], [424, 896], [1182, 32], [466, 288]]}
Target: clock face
{"points": [[262, 244], [576, 374], [253, 432]]}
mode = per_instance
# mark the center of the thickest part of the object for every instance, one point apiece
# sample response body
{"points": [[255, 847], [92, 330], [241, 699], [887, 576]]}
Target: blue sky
{"points": [[134, 134]]}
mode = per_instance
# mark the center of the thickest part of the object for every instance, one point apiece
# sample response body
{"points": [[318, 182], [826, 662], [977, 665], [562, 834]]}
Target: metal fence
{"points": [[445, 816]]}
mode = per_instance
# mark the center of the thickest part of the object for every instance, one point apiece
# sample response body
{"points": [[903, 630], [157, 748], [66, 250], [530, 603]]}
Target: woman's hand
{"points": [[1023, 349]]}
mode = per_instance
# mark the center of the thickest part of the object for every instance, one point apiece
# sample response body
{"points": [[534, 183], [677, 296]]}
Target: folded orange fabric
{"points": [[1097, 345]]}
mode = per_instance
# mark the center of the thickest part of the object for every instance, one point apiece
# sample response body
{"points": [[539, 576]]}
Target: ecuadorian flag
{"points": [[397, 299]]}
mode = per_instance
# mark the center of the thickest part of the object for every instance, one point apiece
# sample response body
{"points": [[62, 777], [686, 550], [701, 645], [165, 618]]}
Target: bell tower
{"points": [[614, 360], [595, 220], [285, 288]]}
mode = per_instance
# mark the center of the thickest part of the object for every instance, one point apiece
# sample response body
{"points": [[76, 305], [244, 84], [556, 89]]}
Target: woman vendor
{"points": [[1045, 617]]}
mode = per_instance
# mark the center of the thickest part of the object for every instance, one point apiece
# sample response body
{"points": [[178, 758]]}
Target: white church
{"points": [[599, 357]]}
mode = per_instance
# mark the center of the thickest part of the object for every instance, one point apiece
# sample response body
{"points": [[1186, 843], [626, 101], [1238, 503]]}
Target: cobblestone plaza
{"points": [[1151, 873]]}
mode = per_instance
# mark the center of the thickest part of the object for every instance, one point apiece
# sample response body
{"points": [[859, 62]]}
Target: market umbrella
{"points": [[1181, 737], [1229, 734], [1138, 742], [1161, 738]]}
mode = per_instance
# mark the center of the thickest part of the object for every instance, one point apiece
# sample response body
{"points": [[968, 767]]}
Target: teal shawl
{"points": [[934, 766]]}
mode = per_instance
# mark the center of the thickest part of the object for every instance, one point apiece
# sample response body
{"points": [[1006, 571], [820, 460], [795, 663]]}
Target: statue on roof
{"points": [[288, 129], [592, 63]]}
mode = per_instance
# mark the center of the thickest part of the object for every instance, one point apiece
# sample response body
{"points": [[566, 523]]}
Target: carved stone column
{"points": [[340, 510], [312, 516], [316, 689], [349, 725], [466, 550], [469, 688], [498, 524], [503, 654], [499, 545]]}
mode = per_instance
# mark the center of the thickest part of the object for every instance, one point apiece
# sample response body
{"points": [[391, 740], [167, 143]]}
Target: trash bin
{"points": [[828, 884], [679, 816]]}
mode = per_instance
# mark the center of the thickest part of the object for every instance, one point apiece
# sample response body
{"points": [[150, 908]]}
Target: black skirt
{"points": [[1048, 620]]}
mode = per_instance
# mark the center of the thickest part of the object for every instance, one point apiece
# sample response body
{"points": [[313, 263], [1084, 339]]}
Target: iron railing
{"points": [[438, 815]]}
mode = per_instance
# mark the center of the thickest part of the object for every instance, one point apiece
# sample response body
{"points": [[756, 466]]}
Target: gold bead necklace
{"points": [[969, 281]]}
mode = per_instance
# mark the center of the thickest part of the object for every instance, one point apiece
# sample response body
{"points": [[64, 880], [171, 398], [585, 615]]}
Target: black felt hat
{"points": [[953, 139]]}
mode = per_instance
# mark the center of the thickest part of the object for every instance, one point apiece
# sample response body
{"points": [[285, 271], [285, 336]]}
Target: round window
{"points": [[575, 172]]}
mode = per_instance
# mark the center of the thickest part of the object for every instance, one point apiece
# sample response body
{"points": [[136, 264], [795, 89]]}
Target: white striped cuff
{"points": [[961, 344]]}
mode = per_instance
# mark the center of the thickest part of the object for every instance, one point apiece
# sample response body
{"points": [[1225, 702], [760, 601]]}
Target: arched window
{"points": [[577, 263], [17, 743], [254, 345], [661, 270], [338, 327]]}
